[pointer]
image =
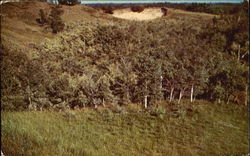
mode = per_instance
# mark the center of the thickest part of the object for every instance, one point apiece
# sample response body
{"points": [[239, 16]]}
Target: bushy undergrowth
{"points": [[119, 62], [108, 9], [68, 2], [137, 8], [52, 20], [209, 129], [93, 64]]}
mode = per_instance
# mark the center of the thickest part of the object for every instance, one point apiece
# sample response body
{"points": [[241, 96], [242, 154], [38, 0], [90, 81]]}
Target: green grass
{"points": [[187, 129]]}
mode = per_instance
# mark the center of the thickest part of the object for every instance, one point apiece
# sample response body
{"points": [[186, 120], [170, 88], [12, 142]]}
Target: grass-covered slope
{"points": [[20, 29], [101, 60], [198, 129]]}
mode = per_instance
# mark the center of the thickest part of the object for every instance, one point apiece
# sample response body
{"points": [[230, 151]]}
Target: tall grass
{"points": [[201, 128]]}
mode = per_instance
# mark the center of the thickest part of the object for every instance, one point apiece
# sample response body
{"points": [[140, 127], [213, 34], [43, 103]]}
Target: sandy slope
{"points": [[153, 13], [147, 14]]}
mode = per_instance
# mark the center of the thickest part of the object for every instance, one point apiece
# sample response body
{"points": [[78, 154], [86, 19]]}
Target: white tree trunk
{"points": [[161, 82], [239, 53], [41, 108], [171, 94], [103, 102], [180, 96], [146, 101], [192, 93], [30, 100], [245, 54], [95, 103]]}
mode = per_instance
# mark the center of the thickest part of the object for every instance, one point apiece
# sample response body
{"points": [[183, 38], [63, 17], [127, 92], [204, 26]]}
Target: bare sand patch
{"points": [[153, 13], [147, 14]]}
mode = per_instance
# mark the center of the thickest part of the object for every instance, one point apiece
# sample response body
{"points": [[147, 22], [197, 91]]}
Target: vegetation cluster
{"points": [[108, 9], [122, 62], [137, 8], [53, 20], [188, 70], [68, 2]]}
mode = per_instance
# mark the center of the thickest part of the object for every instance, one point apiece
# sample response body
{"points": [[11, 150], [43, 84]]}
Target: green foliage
{"points": [[43, 17], [68, 2], [230, 33], [123, 62], [56, 22], [137, 8], [53, 20], [12, 80], [108, 9], [164, 11], [199, 7], [228, 80]]}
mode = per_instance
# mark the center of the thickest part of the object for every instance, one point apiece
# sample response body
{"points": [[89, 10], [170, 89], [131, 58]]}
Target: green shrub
{"points": [[137, 8], [108, 9], [43, 19], [53, 21], [164, 11], [56, 22], [13, 103], [240, 97], [68, 2]]}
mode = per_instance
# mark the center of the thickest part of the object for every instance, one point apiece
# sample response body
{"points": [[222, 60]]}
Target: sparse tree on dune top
{"points": [[68, 2], [56, 22]]}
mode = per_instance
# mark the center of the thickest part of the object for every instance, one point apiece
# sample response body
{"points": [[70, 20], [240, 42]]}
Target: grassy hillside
{"points": [[21, 31], [99, 60], [200, 128]]}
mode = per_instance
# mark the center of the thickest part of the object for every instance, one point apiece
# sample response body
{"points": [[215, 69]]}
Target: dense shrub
{"points": [[97, 63], [54, 20], [137, 8], [164, 11], [43, 19], [241, 97], [196, 7], [108, 9], [68, 2], [13, 80]]}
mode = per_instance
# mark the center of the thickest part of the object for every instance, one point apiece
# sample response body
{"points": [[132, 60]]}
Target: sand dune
{"points": [[147, 14]]}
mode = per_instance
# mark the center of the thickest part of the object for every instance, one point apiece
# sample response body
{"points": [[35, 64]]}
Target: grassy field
{"points": [[200, 128]]}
